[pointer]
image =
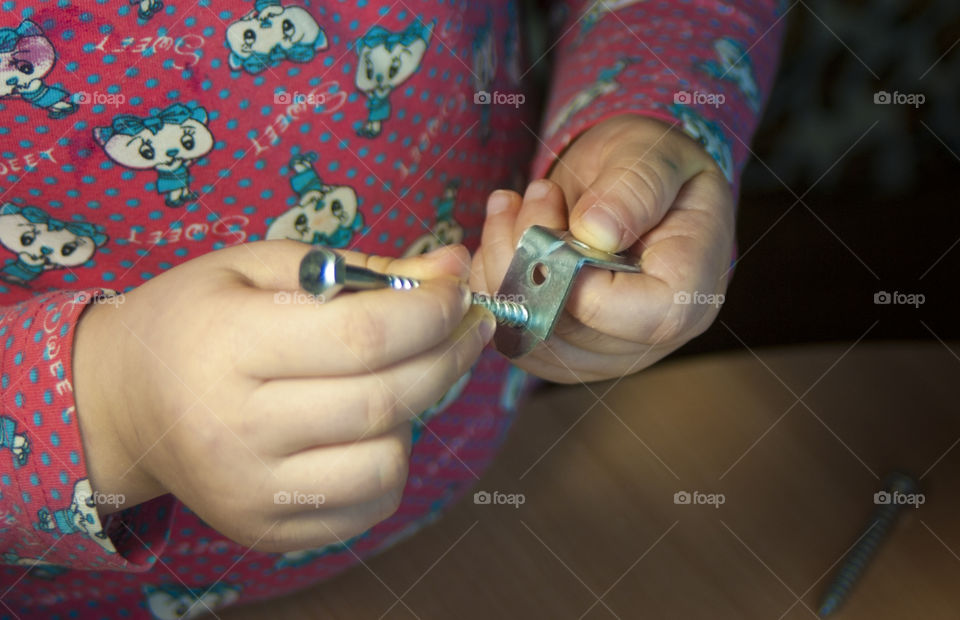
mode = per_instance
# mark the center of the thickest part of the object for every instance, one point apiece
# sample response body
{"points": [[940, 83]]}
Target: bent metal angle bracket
{"points": [[540, 277]]}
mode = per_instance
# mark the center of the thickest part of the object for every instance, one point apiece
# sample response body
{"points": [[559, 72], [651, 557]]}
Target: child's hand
{"points": [[282, 423], [632, 184]]}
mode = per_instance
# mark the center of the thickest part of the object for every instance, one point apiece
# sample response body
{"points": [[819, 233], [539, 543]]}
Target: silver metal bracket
{"points": [[540, 277]]}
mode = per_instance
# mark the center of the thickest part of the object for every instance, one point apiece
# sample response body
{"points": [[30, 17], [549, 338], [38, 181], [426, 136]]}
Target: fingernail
{"points": [[467, 295], [497, 202], [603, 226], [488, 325], [537, 190]]}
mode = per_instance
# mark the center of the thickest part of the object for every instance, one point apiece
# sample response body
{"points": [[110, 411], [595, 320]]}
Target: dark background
{"points": [[885, 216]]}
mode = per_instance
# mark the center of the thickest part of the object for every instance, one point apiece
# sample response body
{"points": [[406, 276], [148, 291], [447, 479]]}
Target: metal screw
{"points": [[863, 551], [324, 272]]}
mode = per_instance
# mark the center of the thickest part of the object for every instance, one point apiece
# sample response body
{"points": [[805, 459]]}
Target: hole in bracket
{"points": [[539, 274]]}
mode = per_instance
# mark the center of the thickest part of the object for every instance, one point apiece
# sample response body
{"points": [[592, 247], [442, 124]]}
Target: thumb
{"points": [[627, 199]]}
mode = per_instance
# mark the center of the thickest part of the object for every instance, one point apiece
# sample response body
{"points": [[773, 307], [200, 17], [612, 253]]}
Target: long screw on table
{"points": [[897, 485], [324, 272]]}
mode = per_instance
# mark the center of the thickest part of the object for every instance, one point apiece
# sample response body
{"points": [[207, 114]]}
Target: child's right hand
{"points": [[202, 383]]}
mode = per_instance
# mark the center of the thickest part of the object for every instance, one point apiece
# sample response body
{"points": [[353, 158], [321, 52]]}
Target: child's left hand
{"points": [[628, 184]]}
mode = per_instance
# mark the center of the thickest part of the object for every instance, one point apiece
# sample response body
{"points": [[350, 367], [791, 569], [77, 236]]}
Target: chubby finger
{"points": [[704, 213], [496, 240], [357, 333], [561, 361], [634, 189], [312, 412], [544, 204], [509, 216], [283, 332], [353, 333], [451, 260], [275, 265], [315, 528], [478, 275], [347, 473], [331, 494], [686, 254]]}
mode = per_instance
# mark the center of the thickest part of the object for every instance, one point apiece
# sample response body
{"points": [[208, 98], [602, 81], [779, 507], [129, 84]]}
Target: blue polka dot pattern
{"points": [[153, 132]]}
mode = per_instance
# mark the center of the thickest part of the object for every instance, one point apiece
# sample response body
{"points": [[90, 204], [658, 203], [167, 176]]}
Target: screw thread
{"points": [[509, 313], [859, 556], [401, 283]]}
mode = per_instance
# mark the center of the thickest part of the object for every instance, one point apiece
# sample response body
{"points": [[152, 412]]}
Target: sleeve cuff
{"points": [[53, 517], [705, 68]]}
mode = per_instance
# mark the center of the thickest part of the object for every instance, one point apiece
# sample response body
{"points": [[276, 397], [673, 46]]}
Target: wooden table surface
{"points": [[796, 440]]}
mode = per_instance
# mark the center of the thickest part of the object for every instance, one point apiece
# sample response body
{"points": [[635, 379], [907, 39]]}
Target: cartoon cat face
{"points": [[172, 144], [172, 603], [318, 213], [32, 58], [380, 70], [259, 33], [36, 244]]}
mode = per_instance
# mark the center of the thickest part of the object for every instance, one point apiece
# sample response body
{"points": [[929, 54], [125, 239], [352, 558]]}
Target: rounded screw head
{"points": [[902, 483], [323, 272]]}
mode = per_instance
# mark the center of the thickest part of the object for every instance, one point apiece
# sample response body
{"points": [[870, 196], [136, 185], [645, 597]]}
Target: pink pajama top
{"points": [[139, 134]]}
